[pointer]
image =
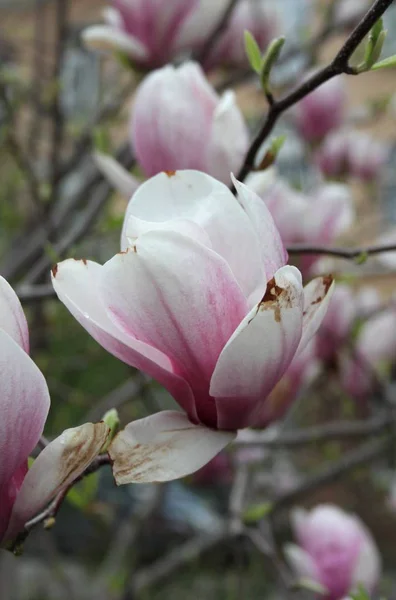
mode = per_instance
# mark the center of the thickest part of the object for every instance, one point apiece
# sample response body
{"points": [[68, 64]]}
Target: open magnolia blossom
{"points": [[335, 550], [201, 299], [145, 30], [24, 402], [180, 122]]}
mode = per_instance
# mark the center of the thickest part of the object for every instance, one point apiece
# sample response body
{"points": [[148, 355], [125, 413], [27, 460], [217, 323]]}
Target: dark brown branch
{"points": [[339, 65], [348, 253]]}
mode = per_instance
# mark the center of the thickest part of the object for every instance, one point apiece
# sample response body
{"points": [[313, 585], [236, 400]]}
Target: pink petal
{"points": [[199, 198], [317, 296], [137, 227], [229, 139], [259, 352], [56, 467], [172, 119], [76, 283], [367, 570], [179, 297], [163, 447], [273, 253], [25, 403], [120, 178], [104, 37], [12, 317]]}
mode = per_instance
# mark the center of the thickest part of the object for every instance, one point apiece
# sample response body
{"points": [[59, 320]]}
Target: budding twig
{"points": [[340, 64]]}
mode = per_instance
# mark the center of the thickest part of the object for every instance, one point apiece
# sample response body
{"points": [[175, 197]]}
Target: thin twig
{"points": [[353, 460], [317, 434], [339, 65], [349, 253]]}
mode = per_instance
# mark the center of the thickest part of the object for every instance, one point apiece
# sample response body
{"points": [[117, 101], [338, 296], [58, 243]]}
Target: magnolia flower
{"points": [[146, 30], [334, 550], [257, 17], [24, 402], [321, 111], [201, 300], [179, 122], [348, 153]]}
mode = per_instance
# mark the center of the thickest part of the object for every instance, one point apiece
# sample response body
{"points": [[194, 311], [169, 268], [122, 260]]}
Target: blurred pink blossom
{"points": [[321, 111], [146, 30], [179, 122], [374, 350], [349, 153], [24, 401], [334, 549], [201, 300]]}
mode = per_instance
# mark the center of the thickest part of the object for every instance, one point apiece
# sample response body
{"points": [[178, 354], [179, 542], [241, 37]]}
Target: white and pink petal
{"points": [[163, 447]]}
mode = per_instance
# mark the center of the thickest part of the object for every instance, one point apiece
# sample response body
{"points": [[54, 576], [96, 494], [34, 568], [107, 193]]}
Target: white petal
{"points": [[229, 139], [202, 199], [163, 447], [273, 253], [12, 317], [115, 173], [259, 351], [137, 227], [317, 296], [301, 562], [104, 37], [56, 467], [367, 570]]}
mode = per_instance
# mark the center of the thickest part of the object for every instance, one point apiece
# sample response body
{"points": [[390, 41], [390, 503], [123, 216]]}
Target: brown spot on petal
{"points": [[327, 281], [84, 261], [170, 173], [54, 270], [275, 297], [81, 446], [134, 462]]}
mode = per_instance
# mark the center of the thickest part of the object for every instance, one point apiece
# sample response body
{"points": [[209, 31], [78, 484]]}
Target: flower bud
{"points": [[335, 550], [179, 122]]}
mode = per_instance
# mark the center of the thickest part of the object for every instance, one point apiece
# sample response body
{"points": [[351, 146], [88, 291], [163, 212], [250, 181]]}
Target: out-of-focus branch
{"points": [[359, 457], [57, 117], [17, 151], [221, 26], [339, 65], [317, 434], [349, 253]]}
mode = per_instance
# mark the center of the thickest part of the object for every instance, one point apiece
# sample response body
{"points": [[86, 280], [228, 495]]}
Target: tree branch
{"points": [[339, 65]]}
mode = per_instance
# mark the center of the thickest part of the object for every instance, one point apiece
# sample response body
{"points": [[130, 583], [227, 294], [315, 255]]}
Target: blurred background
{"points": [[59, 101]]}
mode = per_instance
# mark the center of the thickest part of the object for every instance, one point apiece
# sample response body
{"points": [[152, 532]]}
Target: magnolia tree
{"points": [[240, 299]]}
